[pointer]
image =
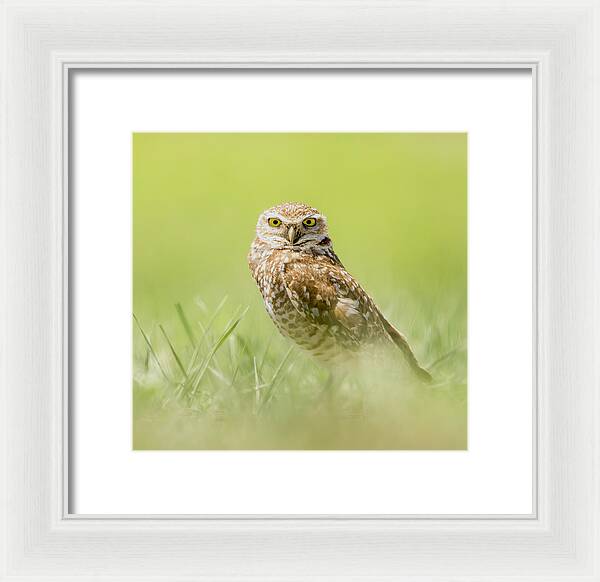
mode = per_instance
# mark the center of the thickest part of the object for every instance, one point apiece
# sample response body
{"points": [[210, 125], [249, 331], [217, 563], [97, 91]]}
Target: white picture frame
{"points": [[44, 41]]}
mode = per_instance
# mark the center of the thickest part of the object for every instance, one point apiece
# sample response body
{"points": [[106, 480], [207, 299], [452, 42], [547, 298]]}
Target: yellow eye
{"points": [[309, 221], [274, 222]]}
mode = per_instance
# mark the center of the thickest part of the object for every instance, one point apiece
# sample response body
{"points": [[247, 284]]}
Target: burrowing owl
{"points": [[308, 293]]}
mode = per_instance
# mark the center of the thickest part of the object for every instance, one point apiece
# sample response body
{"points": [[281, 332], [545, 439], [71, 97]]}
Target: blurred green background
{"points": [[397, 210]]}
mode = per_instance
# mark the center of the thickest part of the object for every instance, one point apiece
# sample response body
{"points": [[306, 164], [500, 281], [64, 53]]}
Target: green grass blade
{"points": [[234, 376], [256, 385], [200, 303], [179, 364], [151, 348], [201, 370], [269, 391], [256, 376], [264, 356], [205, 331], [185, 323], [215, 314], [218, 374], [240, 311]]}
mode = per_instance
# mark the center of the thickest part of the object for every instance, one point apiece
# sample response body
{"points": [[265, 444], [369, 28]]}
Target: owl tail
{"points": [[401, 342]]}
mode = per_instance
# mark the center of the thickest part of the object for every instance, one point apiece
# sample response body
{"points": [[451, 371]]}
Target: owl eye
{"points": [[274, 222], [309, 221]]}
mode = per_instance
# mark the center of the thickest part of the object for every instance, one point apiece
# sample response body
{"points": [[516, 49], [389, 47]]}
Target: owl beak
{"points": [[291, 234]]}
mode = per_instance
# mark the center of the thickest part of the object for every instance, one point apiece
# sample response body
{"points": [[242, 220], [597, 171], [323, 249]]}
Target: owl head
{"points": [[293, 226]]}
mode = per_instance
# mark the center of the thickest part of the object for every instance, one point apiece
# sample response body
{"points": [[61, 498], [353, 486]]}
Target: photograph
{"points": [[299, 291]]}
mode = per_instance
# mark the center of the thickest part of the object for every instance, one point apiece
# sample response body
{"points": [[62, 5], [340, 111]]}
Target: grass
{"points": [[222, 378]]}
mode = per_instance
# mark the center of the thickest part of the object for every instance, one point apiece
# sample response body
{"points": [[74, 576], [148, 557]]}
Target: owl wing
{"points": [[327, 295]]}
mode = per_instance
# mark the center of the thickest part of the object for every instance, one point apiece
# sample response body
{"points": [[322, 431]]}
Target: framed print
{"points": [[297, 291]]}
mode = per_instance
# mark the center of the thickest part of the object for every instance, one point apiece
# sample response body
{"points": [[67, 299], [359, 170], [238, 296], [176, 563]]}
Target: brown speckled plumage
{"points": [[308, 293]]}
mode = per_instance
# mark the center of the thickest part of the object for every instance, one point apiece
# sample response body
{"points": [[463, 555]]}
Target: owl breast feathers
{"points": [[308, 293]]}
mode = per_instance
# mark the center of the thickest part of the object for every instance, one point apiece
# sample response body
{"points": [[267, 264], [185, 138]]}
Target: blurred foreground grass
{"points": [[206, 380]]}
